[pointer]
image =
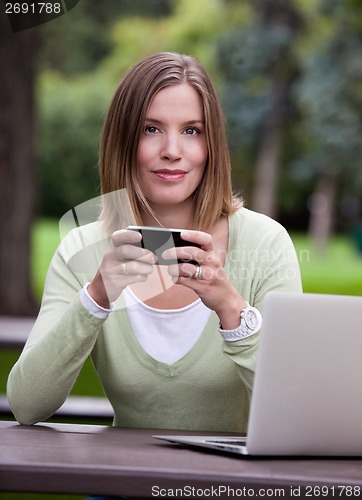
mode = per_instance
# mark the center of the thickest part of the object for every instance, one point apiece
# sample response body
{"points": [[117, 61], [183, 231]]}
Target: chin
{"points": [[169, 196], [169, 199]]}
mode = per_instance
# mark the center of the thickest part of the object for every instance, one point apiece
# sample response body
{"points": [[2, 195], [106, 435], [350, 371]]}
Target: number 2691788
{"points": [[33, 8]]}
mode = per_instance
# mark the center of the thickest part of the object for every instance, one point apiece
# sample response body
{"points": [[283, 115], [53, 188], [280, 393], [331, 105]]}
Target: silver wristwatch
{"points": [[250, 323]]}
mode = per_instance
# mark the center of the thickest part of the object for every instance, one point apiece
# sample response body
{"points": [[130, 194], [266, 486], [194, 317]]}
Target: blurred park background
{"points": [[289, 74]]}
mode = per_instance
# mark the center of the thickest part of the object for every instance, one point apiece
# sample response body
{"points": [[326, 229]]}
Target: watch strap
{"points": [[247, 326]]}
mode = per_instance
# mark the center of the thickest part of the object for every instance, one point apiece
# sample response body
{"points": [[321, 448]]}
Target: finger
{"points": [[133, 267], [182, 270], [175, 270], [124, 236], [199, 237], [185, 253], [131, 252], [115, 283]]}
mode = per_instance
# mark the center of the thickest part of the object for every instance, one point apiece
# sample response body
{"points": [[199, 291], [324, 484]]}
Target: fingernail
{"points": [[137, 236]]}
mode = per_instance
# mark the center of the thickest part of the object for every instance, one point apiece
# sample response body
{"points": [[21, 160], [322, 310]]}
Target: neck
{"points": [[170, 216]]}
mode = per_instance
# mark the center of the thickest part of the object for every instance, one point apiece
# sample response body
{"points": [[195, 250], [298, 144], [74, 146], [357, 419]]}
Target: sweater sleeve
{"points": [[62, 338], [271, 266]]}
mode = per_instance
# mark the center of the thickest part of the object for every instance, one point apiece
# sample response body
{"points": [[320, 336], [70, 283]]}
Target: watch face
{"points": [[251, 319]]}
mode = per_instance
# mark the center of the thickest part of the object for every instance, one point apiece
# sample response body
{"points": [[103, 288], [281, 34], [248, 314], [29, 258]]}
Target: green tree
{"points": [[17, 52], [70, 121], [259, 65], [78, 42], [181, 31], [330, 97]]}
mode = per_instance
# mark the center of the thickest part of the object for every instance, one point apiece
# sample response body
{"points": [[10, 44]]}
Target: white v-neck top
{"points": [[166, 334]]}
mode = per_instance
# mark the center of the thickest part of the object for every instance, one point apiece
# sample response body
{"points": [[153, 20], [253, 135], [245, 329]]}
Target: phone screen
{"points": [[157, 240]]}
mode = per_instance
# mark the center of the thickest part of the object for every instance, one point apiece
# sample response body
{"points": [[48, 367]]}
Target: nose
{"points": [[171, 148]]}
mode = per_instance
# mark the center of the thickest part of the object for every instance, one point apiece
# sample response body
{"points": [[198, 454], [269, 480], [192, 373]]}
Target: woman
{"points": [[174, 346]]}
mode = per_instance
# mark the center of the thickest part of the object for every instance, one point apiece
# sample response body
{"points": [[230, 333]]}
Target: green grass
{"points": [[336, 271], [45, 239]]}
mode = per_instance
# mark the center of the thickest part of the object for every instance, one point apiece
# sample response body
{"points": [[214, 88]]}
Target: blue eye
{"points": [[150, 129], [191, 131]]}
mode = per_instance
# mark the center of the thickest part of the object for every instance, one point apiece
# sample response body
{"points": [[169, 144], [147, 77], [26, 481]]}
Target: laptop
{"points": [[307, 393]]}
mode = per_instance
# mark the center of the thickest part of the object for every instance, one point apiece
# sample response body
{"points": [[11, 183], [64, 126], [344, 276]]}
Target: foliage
{"points": [[85, 53], [77, 42], [258, 63], [323, 108], [70, 120], [136, 36], [330, 95], [249, 56]]}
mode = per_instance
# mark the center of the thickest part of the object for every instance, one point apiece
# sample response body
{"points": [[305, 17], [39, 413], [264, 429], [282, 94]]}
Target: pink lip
{"points": [[166, 174]]}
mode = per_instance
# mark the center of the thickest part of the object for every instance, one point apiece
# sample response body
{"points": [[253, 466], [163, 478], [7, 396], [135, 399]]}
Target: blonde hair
{"points": [[213, 197]]}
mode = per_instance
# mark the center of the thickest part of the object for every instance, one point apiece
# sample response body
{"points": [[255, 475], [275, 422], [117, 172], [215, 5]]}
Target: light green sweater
{"points": [[208, 389]]}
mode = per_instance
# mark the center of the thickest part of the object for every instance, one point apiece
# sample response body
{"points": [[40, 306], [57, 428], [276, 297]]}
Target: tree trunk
{"points": [[16, 167], [268, 160], [322, 205], [272, 15]]}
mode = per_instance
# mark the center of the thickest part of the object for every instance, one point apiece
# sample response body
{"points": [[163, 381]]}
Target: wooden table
{"points": [[65, 458]]}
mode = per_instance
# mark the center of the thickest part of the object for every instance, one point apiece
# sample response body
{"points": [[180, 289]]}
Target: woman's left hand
{"points": [[208, 279]]}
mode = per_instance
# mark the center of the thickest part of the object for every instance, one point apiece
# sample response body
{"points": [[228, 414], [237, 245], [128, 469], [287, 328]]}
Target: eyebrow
{"points": [[189, 122]]}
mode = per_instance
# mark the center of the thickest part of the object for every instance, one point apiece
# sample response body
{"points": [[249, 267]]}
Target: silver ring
{"points": [[123, 268], [198, 273]]}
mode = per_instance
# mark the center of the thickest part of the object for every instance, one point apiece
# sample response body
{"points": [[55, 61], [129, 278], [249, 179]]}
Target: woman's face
{"points": [[172, 151]]}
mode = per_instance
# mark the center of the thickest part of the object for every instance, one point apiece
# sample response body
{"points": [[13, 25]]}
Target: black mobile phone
{"points": [[159, 239]]}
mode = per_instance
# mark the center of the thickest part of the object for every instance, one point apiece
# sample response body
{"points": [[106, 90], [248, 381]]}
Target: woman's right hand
{"points": [[123, 264]]}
